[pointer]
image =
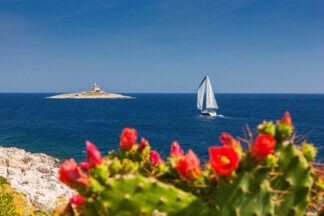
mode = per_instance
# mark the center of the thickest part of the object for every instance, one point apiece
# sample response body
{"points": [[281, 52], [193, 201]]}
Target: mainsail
{"points": [[210, 98], [201, 93]]}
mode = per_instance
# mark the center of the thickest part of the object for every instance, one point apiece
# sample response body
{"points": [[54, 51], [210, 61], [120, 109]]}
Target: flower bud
{"points": [[93, 155], [271, 161], [71, 175], [128, 139], [309, 151], [284, 127], [77, 200], [144, 143], [286, 120], [155, 158], [189, 166], [176, 151], [85, 166], [267, 128]]}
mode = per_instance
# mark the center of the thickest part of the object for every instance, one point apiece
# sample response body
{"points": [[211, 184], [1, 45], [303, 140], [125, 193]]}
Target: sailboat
{"points": [[210, 104]]}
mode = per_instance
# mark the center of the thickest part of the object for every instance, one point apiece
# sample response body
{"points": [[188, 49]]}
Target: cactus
{"points": [[273, 177], [293, 182], [250, 194], [137, 195]]}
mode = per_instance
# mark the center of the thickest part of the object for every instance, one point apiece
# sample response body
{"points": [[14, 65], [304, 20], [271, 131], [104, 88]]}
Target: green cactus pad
{"points": [[137, 195], [249, 195], [293, 181]]}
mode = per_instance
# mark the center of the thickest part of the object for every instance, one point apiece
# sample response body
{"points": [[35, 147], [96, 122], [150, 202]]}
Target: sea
{"points": [[60, 127]]}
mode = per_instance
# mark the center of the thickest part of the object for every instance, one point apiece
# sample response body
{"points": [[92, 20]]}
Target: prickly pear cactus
{"points": [[272, 177], [248, 194], [293, 183], [137, 195]]}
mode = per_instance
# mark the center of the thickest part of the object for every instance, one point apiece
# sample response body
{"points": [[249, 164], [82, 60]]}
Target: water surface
{"points": [[59, 127]]}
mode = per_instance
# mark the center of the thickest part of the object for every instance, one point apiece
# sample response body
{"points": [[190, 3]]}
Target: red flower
{"points": [[93, 155], [286, 120], [263, 146], [155, 158], [85, 166], [77, 200], [71, 175], [227, 140], [223, 160], [176, 151], [144, 143], [128, 139], [189, 166]]}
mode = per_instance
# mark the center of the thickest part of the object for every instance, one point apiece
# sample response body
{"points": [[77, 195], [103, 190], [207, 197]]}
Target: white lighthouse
{"points": [[95, 88]]}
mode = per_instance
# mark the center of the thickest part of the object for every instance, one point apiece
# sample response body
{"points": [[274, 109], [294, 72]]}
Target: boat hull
{"points": [[209, 113]]}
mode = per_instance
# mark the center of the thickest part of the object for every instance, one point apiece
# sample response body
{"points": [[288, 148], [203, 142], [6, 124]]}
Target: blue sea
{"points": [[60, 127]]}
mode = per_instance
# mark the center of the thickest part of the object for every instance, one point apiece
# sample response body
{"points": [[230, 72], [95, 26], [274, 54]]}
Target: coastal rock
{"points": [[35, 176]]}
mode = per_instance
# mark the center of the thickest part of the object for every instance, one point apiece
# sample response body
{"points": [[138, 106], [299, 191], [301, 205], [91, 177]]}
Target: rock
{"points": [[35, 176]]}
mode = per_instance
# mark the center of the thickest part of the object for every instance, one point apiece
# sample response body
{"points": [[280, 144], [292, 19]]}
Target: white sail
{"points": [[210, 97], [201, 93]]}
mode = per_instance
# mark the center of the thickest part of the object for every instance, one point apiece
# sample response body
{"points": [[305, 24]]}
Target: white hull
{"points": [[209, 113]]}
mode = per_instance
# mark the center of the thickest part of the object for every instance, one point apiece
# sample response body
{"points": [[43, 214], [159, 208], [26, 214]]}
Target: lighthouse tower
{"points": [[95, 88]]}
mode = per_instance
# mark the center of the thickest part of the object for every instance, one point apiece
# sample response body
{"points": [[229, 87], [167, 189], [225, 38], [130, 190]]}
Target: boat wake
{"points": [[211, 117]]}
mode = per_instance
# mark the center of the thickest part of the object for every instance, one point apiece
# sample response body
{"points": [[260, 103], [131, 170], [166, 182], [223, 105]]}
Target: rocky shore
{"points": [[90, 95], [35, 176]]}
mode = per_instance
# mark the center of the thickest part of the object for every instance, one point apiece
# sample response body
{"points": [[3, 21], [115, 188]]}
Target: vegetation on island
{"points": [[15, 204], [274, 175]]}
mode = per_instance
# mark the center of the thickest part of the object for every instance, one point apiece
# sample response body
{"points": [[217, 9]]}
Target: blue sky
{"points": [[262, 46]]}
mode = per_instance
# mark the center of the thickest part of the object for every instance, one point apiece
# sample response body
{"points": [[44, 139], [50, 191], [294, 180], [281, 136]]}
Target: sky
{"points": [[162, 46]]}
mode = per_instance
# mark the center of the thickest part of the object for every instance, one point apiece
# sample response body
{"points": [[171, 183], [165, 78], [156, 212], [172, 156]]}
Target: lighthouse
{"points": [[95, 88]]}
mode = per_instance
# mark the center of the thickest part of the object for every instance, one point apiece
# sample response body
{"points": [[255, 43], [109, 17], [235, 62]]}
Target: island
{"points": [[94, 93]]}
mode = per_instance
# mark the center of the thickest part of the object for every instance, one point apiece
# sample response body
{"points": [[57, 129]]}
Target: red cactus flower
{"points": [[227, 140], [77, 200], [263, 146], [189, 166], [224, 160], [93, 155], [155, 158], [85, 166], [286, 120], [176, 151], [128, 139], [144, 143], [70, 174]]}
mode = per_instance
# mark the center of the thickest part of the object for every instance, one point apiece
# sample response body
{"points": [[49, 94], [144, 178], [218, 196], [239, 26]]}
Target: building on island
{"points": [[95, 88]]}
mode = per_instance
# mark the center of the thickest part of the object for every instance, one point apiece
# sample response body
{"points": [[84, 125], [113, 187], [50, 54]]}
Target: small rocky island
{"points": [[94, 93]]}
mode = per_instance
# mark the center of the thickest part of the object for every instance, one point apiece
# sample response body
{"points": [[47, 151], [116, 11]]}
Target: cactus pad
{"points": [[137, 195]]}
